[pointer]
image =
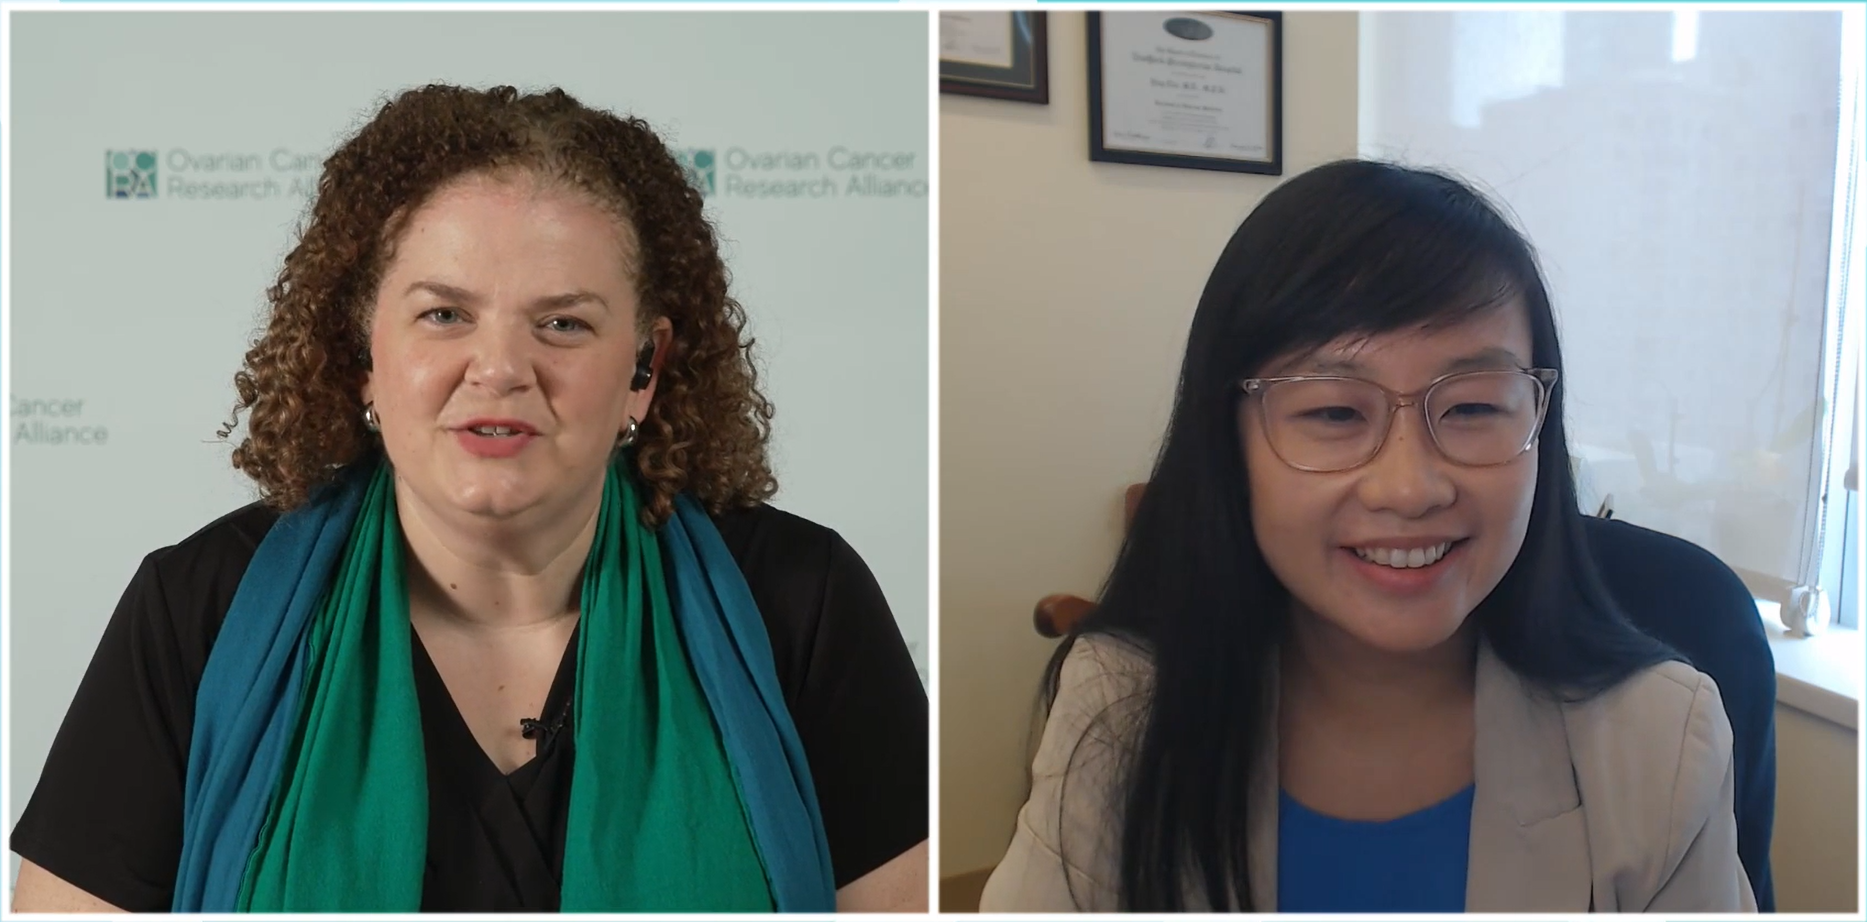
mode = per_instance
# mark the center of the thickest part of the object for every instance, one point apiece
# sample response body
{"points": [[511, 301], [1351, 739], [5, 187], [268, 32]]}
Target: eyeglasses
{"points": [[1327, 424]]}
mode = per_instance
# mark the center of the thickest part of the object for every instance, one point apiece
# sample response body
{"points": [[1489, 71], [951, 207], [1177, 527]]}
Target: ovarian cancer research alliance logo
{"points": [[698, 162], [260, 173], [130, 174], [835, 172]]}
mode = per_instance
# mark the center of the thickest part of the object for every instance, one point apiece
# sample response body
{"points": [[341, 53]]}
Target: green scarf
{"points": [[656, 819]]}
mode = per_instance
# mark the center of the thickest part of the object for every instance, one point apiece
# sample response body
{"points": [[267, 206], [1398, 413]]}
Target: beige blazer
{"points": [[1618, 804]]}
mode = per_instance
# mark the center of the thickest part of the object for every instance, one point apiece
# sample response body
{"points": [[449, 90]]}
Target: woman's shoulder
{"points": [[1653, 760], [788, 561], [1102, 669], [1667, 714], [233, 537], [1102, 691], [816, 595], [1653, 767], [755, 532], [1064, 853], [194, 579]]}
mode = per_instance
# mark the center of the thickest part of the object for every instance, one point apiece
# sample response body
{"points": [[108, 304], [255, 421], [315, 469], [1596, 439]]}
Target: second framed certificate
{"points": [[1197, 90], [1003, 55]]}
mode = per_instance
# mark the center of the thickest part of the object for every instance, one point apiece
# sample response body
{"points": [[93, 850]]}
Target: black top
{"points": [[107, 815]]}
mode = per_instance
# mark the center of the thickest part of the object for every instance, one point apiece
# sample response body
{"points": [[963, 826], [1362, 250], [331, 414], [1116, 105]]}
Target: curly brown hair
{"points": [[708, 426]]}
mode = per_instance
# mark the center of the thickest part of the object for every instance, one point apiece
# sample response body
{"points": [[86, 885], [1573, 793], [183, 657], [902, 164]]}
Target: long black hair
{"points": [[1350, 248]]}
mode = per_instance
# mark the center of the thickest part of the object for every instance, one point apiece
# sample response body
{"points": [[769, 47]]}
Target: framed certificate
{"points": [[1200, 90], [1003, 55]]}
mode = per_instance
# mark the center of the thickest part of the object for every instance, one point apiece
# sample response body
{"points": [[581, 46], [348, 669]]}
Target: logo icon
{"points": [[1190, 29], [130, 174], [698, 162]]}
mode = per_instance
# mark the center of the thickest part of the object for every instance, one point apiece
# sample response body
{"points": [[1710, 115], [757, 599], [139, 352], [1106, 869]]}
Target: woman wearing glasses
{"points": [[1351, 657]]}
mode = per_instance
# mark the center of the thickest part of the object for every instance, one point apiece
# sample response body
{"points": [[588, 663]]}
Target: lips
{"points": [[498, 428], [495, 438], [1405, 567], [1401, 558]]}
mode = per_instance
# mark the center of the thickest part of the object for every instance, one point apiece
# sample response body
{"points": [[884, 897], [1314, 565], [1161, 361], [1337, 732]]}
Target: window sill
{"points": [[1819, 675]]}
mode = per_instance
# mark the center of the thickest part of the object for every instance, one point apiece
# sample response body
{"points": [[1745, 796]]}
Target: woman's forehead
{"points": [[1497, 337], [471, 226]]}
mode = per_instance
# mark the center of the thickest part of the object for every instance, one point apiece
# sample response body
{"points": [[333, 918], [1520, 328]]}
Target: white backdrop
{"points": [[129, 317]]}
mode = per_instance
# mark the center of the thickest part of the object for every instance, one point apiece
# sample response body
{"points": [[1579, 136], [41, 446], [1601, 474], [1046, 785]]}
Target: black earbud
{"points": [[644, 368]]}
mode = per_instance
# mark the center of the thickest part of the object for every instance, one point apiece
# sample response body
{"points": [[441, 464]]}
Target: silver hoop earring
{"points": [[370, 421], [628, 435]]}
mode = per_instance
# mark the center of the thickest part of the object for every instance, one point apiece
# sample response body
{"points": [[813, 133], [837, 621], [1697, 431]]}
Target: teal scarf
{"points": [[307, 781]]}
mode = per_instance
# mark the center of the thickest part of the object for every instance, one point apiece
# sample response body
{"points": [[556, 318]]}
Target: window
{"points": [[1690, 180], [1839, 545], [1846, 591]]}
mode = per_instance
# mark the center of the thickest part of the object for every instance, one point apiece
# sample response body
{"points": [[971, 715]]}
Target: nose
{"points": [[1408, 476], [500, 358]]}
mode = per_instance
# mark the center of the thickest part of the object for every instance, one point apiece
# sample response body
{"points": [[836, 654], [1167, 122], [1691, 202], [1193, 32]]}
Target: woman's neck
{"points": [[1367, 734], [1327, 668], [473, 574]]}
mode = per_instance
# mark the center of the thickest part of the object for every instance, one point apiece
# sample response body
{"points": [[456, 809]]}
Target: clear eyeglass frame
{"points": [[1545, 379]]}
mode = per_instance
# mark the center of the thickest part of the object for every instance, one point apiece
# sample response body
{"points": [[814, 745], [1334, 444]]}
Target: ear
{"points": [[661, 333]]}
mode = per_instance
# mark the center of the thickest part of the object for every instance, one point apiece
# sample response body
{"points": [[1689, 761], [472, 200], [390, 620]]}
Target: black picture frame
{"points": [[1026, 80], [1273, 166]]}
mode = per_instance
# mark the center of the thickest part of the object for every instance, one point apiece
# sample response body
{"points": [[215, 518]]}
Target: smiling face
{"points": [[502, 343], [1350, 545]]}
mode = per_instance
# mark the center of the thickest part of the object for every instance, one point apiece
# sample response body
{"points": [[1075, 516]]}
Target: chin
{"points": [[496, 499], [1408, 639], [493, 508], [1403, 631]]}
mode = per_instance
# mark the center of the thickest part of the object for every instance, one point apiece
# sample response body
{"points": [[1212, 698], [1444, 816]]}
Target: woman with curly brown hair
{"points": [[511, 628]]}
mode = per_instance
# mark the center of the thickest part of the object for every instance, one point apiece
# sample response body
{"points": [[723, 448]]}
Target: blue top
{"points": [[1415, 863]]}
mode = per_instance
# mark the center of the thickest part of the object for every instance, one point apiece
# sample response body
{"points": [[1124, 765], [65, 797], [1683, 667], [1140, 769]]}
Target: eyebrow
{"points": [[548, 302], [1490, 359]]}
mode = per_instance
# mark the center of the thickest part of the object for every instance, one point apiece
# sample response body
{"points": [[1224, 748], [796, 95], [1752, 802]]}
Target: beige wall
{"points": [[1066, 288], [1815, 853]]}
